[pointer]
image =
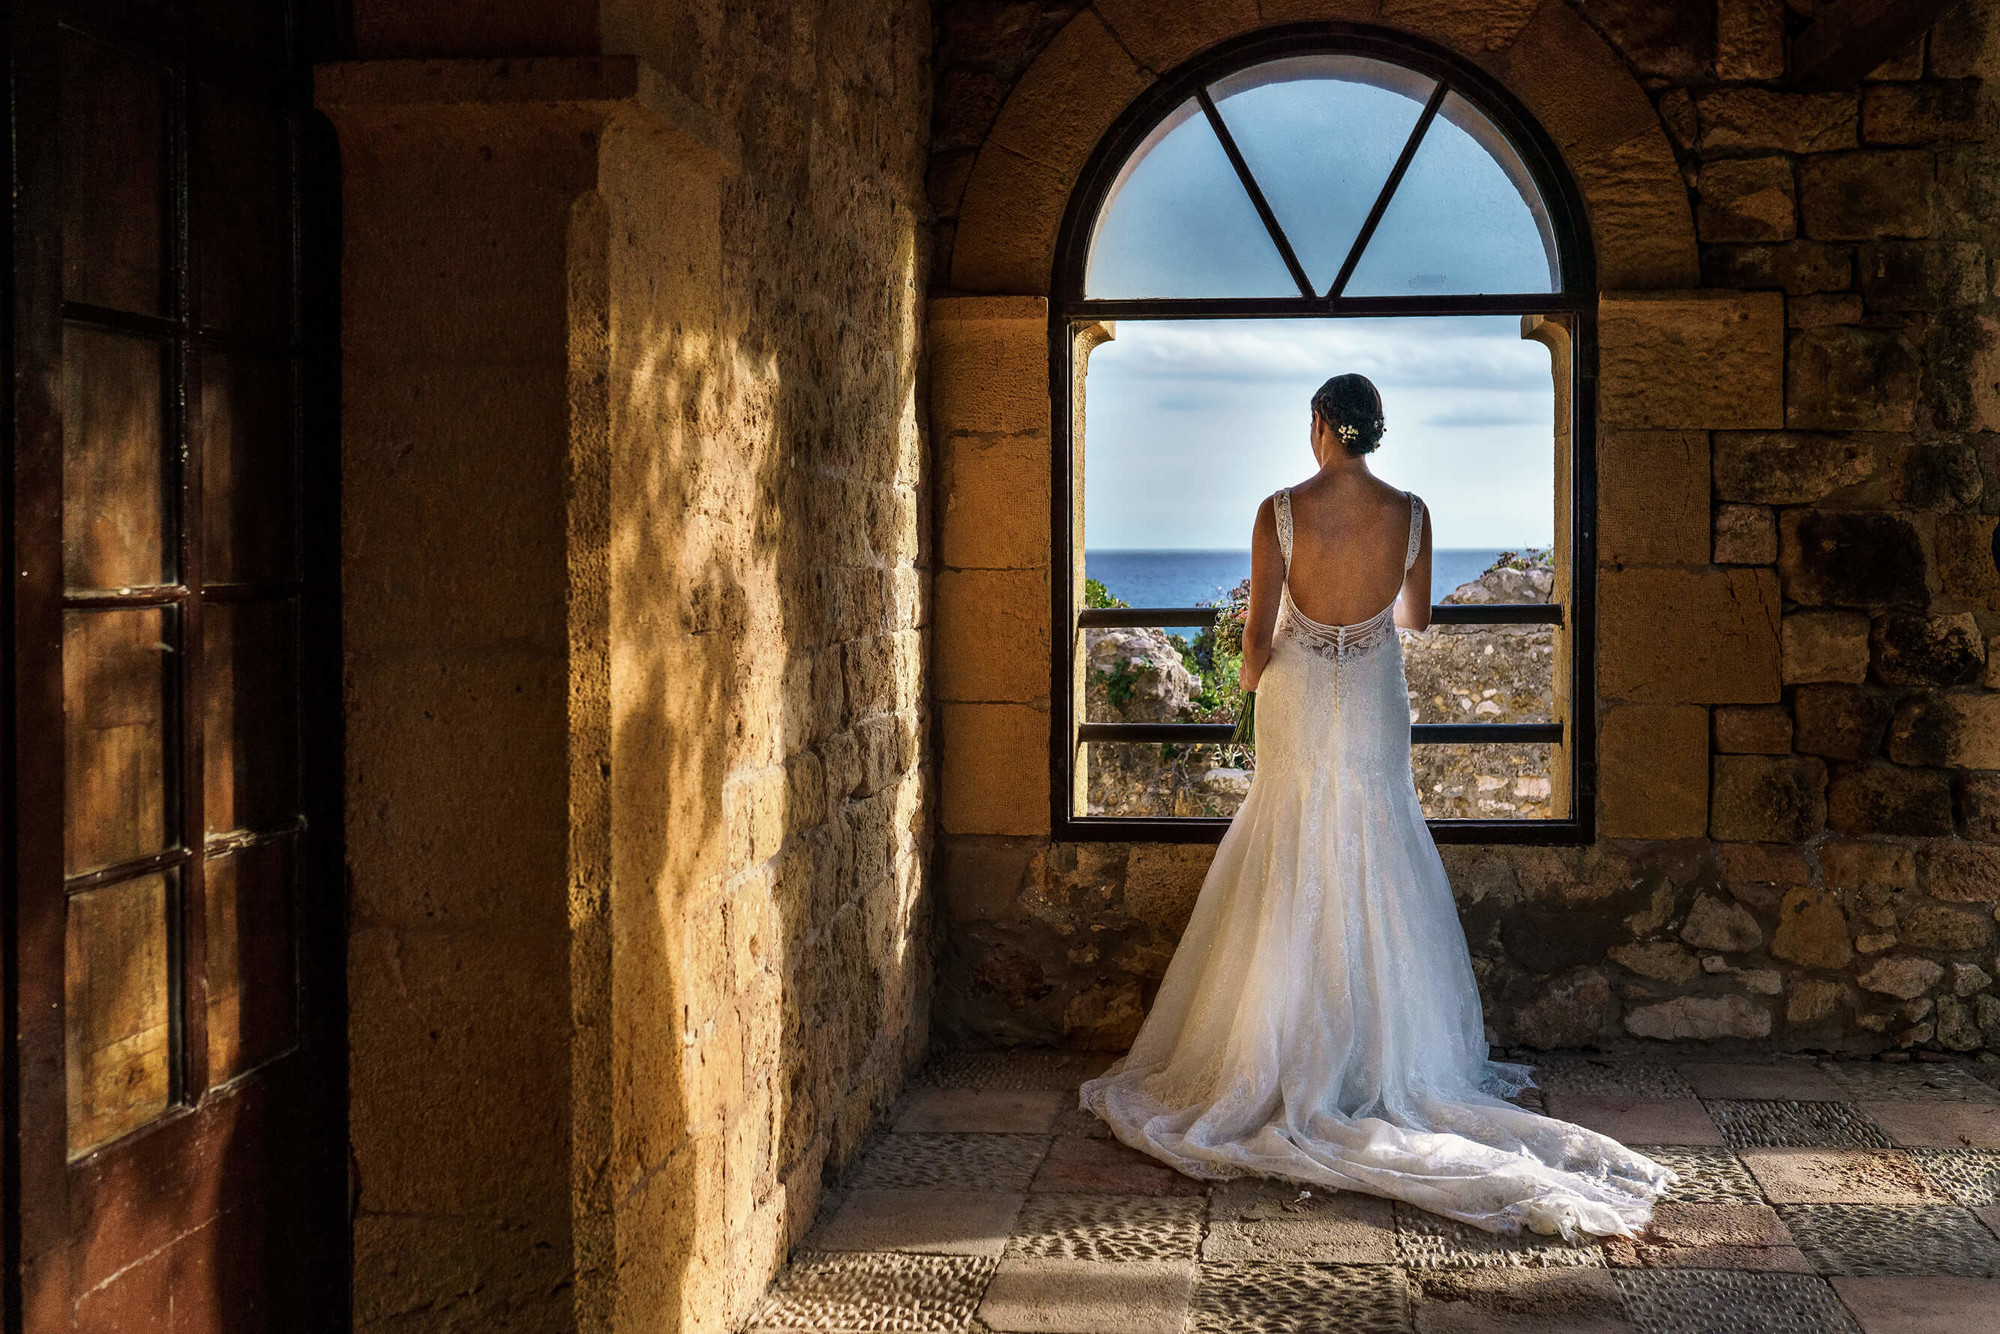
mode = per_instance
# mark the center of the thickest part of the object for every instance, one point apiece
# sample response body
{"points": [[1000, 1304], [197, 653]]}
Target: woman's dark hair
{"points": [[1352, 410]]}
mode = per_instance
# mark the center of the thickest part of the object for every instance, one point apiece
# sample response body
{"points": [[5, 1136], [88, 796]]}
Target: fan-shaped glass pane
{"points": [[1320, 134], [1177, 223], [1466, 218]]}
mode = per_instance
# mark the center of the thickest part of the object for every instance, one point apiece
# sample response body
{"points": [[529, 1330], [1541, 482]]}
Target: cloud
{"points": [[1475, 414]]}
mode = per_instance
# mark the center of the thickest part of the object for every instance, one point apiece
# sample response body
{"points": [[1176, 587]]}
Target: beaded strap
{"points": [[1416, 531]]}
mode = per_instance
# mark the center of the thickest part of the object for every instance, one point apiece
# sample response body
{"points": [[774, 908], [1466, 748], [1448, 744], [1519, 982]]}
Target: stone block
{"points": [[1941, 1125], [1669, 636], [1704, 362], [1574, 83], [1753, 729], [1652, 498], [1931, 1304], [1752, 118], [1714, 923], [1918, 115], [1644, 235], [1786, 1081], [992, 640], [1849, 864], [1162, 36], [1747, 199], [1798, 268], [1840, 722], [1877, 798], [1570, 1011], [995, 764], [1979, 806], [1953, 731], [1929, 926], [1661, 960], [1712, 1234], [1795, 467], [1745, 535], [1845, 378], [1902, 978], [1822, 309], [1812, 1000], [989, 365], [932, 1222], [1653, 771], [1699, 1017], [1750, 40], [1901, 276], [1279, 1222], [993, 494], [1006, 235], [1866, 195], [1162, 882], [1965, 559], [1961, 872], [981, 1111], [1763, 799], [1049, 1296], [1639, 1120], [1851, 558], [1078, 1165], [1839, 1176], [1065, 101], [1812, 931], [1503, 1294], [1916, 650]]}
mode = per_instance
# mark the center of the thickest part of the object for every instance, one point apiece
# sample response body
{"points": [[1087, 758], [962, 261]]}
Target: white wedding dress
{"points": [[1319, 1021]]}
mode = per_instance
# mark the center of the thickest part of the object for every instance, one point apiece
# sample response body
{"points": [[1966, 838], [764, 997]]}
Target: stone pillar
{"points": [[504, 1082]]}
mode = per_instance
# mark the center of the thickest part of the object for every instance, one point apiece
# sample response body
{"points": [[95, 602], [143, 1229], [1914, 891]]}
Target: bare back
{"points": [[1350, 536]]}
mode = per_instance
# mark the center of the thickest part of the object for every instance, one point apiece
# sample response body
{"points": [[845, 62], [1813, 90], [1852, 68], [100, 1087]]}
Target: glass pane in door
{"points": [[248, 498], [115, 714], [242, 215], [114, 154], [116, 984], [115, 479], [252, 997], [249, 689]]}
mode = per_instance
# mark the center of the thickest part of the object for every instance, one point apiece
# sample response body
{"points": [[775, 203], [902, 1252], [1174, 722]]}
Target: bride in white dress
{"points": [[1319, 1021]]}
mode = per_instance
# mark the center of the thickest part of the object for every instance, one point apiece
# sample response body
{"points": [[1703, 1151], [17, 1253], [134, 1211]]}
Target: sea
{"points": [[1192, 578]]}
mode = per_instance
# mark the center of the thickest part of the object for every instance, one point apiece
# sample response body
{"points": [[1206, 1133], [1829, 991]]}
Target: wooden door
{"points": [[175, 1062]]}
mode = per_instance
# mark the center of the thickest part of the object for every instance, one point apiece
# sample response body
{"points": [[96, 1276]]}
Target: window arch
{"points": [[1328, 172]]}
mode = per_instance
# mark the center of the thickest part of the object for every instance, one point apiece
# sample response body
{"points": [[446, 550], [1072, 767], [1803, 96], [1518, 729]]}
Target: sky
{"points": [[1191, 423]]}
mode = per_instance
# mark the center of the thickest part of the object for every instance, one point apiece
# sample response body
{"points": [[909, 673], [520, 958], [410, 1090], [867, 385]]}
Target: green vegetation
{"points": [[1095, 594]]}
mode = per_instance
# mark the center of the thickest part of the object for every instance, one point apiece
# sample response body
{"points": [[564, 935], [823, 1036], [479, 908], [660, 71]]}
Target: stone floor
{"points": [[1816, 1197]]}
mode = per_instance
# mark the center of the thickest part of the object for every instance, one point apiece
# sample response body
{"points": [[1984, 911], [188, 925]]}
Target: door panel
{"points": [[172, 741]]}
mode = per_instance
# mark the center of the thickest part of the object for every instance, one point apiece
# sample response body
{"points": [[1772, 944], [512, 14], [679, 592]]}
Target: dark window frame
{"points": [[1573, 304]]}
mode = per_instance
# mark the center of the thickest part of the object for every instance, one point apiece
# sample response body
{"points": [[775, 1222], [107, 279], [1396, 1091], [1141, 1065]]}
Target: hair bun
{"points": [[1352, 406]]}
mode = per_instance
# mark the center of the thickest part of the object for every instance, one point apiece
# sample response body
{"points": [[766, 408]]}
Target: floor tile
{"points": [[1108, 1227], [1425, 1240], [1953, 1125], [1893, 1239], [1033, 1296], [949, 1162], [1915, 1082], [1840, 1176], [1300, 1299], [1073, 1120], [1706, 1235], [1252, 1220], [1989, 1214], [1720, 1301], [866, 1293], [1021, 1069], [1076, 1165], [1545, 1301], [1970, 1176], [1705, 1173], [1799, 1081], [1604, 1077], [934, 1222], [1930, 1305], [989, 1111], [1638, 1120], [1769, 1123]]}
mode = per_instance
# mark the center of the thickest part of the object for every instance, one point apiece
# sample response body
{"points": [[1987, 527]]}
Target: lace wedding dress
{"points": [[1319, 1022]]}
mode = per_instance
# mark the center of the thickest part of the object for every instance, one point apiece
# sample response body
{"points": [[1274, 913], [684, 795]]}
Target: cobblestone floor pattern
{"points": [[1845, 1198]]}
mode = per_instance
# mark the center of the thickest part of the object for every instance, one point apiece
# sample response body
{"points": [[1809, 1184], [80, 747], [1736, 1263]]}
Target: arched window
{"points": [[1330, 175]]}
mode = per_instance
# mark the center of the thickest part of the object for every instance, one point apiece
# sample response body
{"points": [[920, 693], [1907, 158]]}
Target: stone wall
{"points": [[637, 619], [1798, 813]]}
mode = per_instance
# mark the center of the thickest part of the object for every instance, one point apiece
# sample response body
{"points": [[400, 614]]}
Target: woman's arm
{"points": [[1413, 604], [1267, 575]]}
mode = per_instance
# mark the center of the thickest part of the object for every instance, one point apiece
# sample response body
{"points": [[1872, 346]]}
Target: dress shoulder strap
{"points": [[1416, 531], [1281, 504]]}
